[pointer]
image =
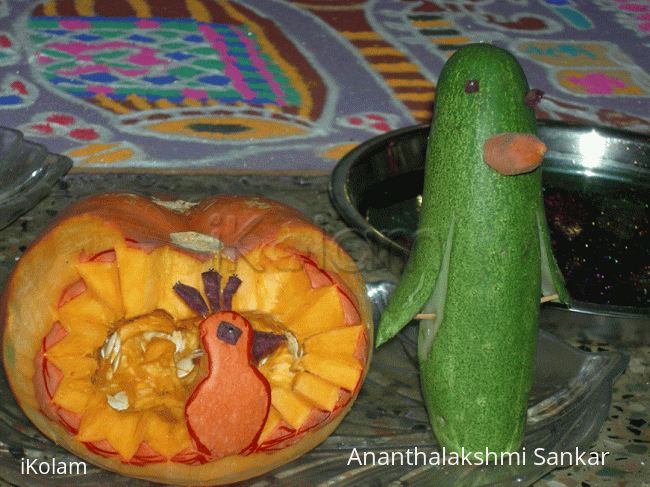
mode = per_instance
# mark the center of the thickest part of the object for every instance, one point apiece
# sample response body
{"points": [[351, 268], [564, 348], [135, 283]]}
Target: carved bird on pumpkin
{"points": [[228, 408]]}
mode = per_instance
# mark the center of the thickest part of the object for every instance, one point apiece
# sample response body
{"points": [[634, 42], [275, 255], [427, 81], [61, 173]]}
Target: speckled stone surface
{"points": [[626, 432]]}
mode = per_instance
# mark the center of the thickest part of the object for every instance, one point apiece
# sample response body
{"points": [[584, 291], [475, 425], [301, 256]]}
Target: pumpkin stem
{"points": [[199, 242]]}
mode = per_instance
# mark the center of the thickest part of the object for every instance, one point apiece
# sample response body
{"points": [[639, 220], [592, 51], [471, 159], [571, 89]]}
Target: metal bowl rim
{"points": [[342, 200]]}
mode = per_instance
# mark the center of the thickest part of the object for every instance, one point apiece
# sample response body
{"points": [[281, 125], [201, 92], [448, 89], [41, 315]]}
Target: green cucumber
{"points": [[481, 261]]}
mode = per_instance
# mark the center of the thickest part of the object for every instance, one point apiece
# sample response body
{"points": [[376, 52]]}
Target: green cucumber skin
{"points": [[476, 372]]}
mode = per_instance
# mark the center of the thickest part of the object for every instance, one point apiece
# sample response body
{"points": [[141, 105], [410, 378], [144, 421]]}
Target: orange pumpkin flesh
{"points": [[114, 365]]}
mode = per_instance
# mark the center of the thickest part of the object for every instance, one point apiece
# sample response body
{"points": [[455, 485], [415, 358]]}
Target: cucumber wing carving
{"points": [[482, 257]]}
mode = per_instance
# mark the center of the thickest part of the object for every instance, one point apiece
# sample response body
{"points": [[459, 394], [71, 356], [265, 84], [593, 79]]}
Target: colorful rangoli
{"points": [[290, 85]]}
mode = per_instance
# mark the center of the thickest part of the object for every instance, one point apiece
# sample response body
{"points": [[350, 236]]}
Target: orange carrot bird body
{"points": [[227, 410]]}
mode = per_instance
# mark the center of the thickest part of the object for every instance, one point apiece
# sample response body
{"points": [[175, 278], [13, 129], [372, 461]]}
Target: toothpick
{"points": [[548, 298], [431, 316], [425, 316]]}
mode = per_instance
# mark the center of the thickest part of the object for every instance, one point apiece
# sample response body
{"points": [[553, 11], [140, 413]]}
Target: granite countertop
{"points": [[626, 432]]}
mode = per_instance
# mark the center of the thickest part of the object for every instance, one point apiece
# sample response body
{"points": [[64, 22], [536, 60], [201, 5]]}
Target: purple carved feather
{"points": [[192, 297], [264, 342], [229, 290], [212, 288]]}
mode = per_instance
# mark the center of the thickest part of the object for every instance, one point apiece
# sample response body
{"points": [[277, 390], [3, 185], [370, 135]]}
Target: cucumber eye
{"points": [[533, 97], [471, 86]]}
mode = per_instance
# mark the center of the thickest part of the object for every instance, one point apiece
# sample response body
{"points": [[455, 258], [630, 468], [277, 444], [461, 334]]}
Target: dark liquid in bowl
{"points": [[600, 232]]}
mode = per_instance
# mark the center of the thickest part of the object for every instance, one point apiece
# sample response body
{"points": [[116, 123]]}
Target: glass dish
{"points": [[568, 405], [27, 173]]}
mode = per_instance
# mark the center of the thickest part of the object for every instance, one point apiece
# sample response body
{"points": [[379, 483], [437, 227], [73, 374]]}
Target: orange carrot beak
{"points": [[511, 153]]}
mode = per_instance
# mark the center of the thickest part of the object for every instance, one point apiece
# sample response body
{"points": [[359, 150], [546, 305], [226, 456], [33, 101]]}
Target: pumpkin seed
{"points": [[118, 401]]}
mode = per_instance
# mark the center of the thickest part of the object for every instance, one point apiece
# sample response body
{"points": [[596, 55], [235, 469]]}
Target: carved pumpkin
{"points": [[188, 343]]}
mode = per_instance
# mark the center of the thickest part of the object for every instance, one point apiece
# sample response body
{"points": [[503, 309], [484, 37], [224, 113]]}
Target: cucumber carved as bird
{"points": [[482, 256]]}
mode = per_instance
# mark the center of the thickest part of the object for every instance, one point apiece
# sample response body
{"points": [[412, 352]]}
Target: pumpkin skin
{"points": [[107, 265]]}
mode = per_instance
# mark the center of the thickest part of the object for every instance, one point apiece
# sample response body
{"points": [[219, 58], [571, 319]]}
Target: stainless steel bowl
{"points": [[27, 173], [593, 164]]}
